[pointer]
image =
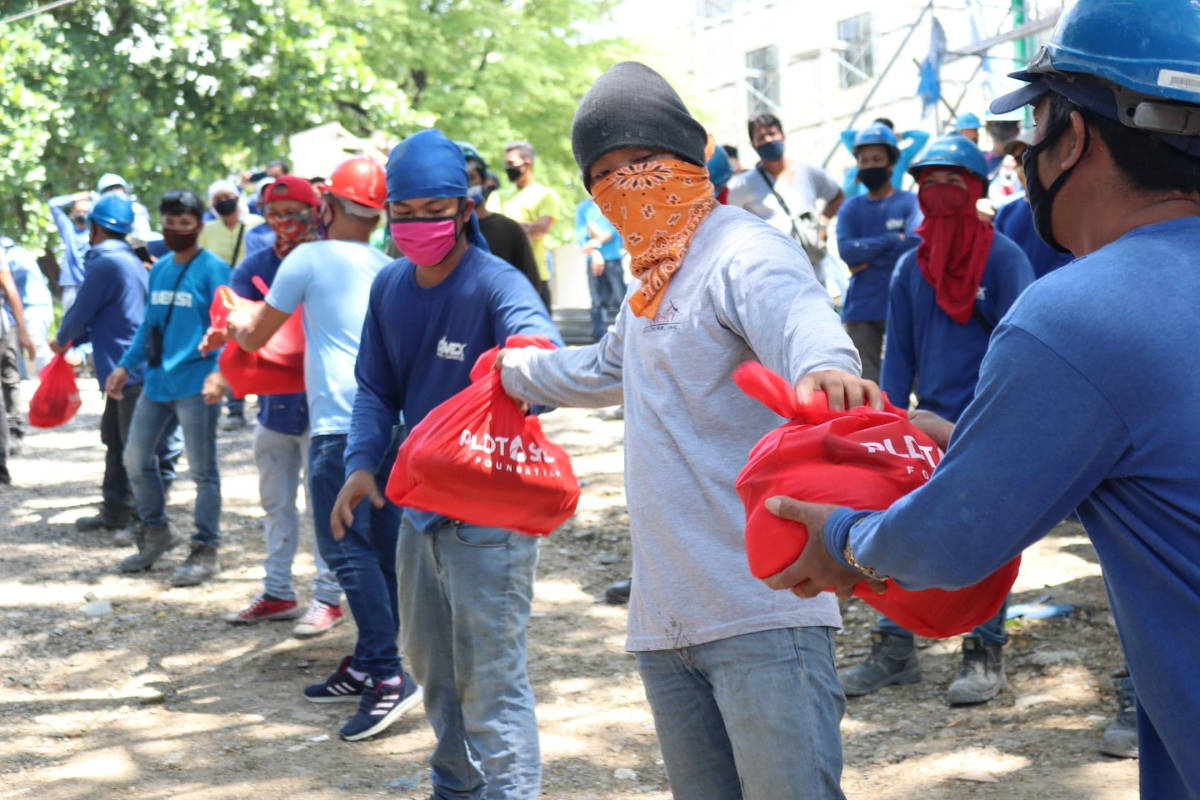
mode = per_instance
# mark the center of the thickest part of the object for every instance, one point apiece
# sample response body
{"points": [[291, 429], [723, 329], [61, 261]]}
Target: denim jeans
{"points": [[364, 560], [754, 716], [867, 336], [991, 632], [150, 429], [607, 290], [465, 593], [281, 459]]}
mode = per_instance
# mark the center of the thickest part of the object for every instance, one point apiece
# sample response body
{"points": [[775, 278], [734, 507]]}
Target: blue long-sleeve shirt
{"points": [[587, 212], [109, 307], [924, 343], [285, 413], [875, 233], [1085, 402], [75, 246], [1015, 220], [183, 369], [418, 345]]}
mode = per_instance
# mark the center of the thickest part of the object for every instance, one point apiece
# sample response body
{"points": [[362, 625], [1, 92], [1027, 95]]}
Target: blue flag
{"points": [[929, 89]]}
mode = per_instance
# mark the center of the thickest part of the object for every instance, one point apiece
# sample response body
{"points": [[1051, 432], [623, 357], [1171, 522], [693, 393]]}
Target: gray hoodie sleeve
{"points": [[587, 377], [769, 296]]}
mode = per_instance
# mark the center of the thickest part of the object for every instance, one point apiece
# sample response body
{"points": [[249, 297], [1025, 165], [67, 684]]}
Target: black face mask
{"points": [[514, 172], [1041, 199], [181, 242], [225, 207], [80, 220], [874, 177]]}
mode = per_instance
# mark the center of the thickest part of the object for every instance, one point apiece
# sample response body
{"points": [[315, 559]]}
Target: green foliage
{"points": [[173, 93]]}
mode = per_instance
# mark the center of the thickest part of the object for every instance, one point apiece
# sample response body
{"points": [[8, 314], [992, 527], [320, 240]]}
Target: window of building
{"points": [[762, 80], [856, 59]]}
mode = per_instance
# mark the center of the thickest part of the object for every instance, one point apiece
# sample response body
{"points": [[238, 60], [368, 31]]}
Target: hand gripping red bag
{"points": [[57, 397], [275, 368], [863, 459], [478, 459]]}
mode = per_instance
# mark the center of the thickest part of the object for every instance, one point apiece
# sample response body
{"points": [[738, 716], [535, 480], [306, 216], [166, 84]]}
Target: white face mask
{"points": [[476, 193]]}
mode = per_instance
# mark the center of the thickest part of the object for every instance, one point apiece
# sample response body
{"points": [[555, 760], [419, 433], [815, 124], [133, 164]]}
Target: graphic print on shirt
{"points": [[667, 319], [455, 351], [895, 224], [165, 297]]}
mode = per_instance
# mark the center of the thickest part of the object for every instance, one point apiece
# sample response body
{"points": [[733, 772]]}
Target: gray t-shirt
{"points": [[807, 184], [738, 296]]}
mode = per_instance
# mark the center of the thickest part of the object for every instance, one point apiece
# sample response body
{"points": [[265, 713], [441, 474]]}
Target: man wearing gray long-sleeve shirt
{"points": [[742, 684]]}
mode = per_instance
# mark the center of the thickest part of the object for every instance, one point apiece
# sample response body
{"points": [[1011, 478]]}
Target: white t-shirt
{"points": [[807, 183], [333, 280]]}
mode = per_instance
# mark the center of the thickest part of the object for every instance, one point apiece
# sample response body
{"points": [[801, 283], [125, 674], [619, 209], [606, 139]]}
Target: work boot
{"points": [[982, 675], [103, 521], [152, 541], [1120, 738], [617, 593], [201, 564], [892, 660]]}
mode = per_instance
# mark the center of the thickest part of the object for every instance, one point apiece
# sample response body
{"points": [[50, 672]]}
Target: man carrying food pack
{"points": [[465, 590], [1086, 401], [741, 681]]}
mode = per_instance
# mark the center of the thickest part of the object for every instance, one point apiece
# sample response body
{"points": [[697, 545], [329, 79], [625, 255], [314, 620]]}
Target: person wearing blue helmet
{"points": [[910, 142], [1086, 398], [967, 126], [873, 231], [107, 311], [465, 589], [945, 297]]}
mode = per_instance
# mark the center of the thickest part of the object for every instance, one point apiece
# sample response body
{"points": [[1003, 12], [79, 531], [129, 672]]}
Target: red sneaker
{"points": [[318, 619], [263, 607]]}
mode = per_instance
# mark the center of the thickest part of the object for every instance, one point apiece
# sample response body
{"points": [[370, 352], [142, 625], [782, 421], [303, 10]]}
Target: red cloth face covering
{"points": [[861, 458], [954, 243]]}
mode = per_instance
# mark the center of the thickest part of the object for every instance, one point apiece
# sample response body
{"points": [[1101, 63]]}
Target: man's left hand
{"points": [[56, 348], [815, 570], [845, 391], [214, 388]]}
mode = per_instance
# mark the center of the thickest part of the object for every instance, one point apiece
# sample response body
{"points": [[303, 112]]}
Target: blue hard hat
{"points": [[1143, 59], [471, 154], [966, 121], [719, 168], [113, 213], [878, 133], [953, 150]]}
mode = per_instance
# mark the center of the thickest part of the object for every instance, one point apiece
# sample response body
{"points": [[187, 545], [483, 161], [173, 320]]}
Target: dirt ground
{"points": [[160, 698]]}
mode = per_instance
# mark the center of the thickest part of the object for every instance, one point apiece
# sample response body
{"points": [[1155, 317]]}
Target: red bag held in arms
{"points": [[277, 367], [57, 397], [477, 458], [864, 459]]}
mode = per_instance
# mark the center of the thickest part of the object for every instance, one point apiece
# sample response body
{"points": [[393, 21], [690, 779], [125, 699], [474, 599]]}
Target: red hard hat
{"points": [[360, 180]]}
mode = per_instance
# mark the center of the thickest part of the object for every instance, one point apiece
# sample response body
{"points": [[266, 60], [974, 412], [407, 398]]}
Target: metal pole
{"points": [[879, 81], [33, 11]]}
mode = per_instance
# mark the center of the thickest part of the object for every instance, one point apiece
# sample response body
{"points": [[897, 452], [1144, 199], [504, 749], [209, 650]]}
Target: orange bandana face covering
{"points": [[656, 206]]}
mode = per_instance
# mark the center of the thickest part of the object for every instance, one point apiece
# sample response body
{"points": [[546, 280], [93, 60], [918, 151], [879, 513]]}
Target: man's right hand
{"points": [[115, 385], [360, 484], [933, 426]]}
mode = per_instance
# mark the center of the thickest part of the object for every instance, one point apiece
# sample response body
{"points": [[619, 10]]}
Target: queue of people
{"points": [[1054, 385]]}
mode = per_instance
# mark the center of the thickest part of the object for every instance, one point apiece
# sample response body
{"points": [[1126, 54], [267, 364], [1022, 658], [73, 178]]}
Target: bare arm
{"points": [[9, 287], [539, 226], [252, 332]]}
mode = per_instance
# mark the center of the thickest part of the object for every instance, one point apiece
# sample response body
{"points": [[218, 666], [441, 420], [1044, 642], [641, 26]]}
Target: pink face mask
{"points": [[425, 242]]}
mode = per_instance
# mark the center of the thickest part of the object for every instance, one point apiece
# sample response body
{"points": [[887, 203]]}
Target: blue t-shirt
{"points": [[285, 413], [31, 282], [1015, 220], [183, 370], [588, 213], [109, 307], [332, 279], [925, 344], [1086, 402], [418, 345], [875, 233]]}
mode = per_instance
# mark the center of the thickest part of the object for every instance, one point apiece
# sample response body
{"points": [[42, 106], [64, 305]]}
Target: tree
{"points": [[172, 93]]}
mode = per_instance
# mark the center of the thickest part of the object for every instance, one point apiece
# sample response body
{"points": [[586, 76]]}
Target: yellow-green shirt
{"points": [[219, 239], [529, 205]]}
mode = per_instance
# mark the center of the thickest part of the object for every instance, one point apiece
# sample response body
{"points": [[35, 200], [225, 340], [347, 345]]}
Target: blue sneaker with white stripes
{"points": [[381, 705], [340, 687]]}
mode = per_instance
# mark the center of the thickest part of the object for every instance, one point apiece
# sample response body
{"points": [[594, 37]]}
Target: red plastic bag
{"points": [[864, 459], [277, 367], [57, 397], [478, 459]]}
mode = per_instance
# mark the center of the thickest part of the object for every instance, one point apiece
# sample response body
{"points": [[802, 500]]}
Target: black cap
{"points": [[631, 105], [181, 201]]}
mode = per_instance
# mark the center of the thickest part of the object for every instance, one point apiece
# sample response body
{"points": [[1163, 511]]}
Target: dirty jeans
{"points": [[754, 716], [281, 459], [465, 594]]}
